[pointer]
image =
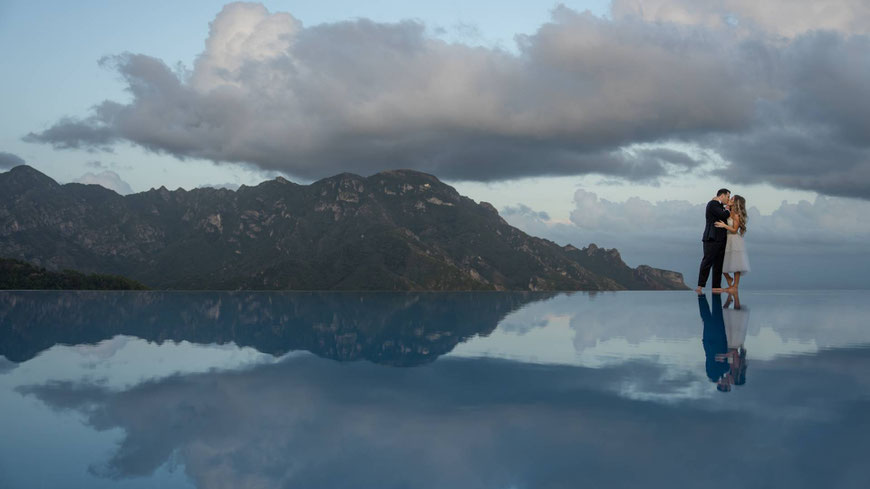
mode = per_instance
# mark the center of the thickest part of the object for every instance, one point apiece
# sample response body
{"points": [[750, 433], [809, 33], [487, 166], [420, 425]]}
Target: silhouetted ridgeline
{"points": [[396, 230], [407, 328], [18, 275]]}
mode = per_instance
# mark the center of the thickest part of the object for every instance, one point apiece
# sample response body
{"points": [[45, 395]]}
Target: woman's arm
{"points": [[735, 219]]}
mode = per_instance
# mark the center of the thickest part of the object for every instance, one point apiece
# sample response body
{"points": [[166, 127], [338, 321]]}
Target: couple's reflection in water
{"points": [[723, 339]]}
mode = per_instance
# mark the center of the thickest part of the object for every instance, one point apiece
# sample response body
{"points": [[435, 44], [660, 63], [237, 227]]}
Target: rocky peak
{"points": [[24, 177], [163, 192], [344, 187], [610, 254], [414, 183], [489, 207], [345, 178]]}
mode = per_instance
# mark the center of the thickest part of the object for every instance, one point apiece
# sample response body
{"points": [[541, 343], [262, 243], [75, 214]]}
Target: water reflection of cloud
{"points": [[619, 326], [311, 422], [104, 349], [126, 360]]}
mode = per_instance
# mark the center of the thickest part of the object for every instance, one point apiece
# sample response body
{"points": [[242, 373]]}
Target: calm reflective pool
{"points": [[434, 390]]}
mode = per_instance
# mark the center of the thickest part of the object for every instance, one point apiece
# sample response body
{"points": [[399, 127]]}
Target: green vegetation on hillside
{"points": [[19, 275]]}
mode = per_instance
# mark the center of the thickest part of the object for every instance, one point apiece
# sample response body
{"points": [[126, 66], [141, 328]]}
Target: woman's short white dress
{"points": [[736, 324], [736, 259]]}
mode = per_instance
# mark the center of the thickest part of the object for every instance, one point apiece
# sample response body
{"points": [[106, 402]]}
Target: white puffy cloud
{"points": [[635, 215], [107, 179], [827, 221]]}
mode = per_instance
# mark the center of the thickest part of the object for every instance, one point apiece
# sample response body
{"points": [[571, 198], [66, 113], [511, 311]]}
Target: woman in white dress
{"points": [[736, 325], [736, 259]]}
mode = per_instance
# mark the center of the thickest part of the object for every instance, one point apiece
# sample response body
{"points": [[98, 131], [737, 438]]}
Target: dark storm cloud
{"points": [[664, 156], [579, 96], [815, 159], [817, 137], [9, 160], [829, 74], [94, 133]]}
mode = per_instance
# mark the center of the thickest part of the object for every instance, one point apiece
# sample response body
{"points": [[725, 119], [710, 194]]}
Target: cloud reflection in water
{"points": [[313, 422]]}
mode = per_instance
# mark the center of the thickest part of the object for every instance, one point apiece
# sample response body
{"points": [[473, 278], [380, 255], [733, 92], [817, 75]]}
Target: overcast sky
{"points": [[583, 121]]}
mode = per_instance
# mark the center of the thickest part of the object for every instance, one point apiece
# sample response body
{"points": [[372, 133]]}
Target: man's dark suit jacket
{"points": [[715, 212]]}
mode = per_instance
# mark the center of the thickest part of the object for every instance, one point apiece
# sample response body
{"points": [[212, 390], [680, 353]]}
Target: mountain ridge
{"points": [[394, 230]]}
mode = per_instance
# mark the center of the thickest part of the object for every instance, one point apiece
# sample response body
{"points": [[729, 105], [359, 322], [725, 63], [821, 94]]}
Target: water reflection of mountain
{"points": [[400, 329]]}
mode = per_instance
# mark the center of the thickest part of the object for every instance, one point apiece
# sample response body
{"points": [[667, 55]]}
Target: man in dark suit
{"points": [[714, 240], [714, 339]]}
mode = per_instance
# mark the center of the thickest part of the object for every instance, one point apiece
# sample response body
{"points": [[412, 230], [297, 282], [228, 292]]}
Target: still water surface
{"points": [[438, 390]]}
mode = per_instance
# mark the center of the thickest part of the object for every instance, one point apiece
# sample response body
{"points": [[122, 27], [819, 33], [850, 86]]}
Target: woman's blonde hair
{"points": [[740, 210]]}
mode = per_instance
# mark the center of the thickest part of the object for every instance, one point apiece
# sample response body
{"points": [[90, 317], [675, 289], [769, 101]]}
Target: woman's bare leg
{"points": [[728, 279], [736, 284]]}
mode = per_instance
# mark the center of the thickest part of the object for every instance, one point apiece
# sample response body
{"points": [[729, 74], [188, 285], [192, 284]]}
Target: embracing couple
{"points": [[724, 250]]}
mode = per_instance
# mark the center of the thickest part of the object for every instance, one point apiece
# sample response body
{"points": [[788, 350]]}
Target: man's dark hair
{"points": [[722, 191]]}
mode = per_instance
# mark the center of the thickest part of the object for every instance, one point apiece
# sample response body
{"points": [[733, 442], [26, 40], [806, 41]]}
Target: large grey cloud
{"points": [[816, 136], [9, 160], [577, 97]]}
